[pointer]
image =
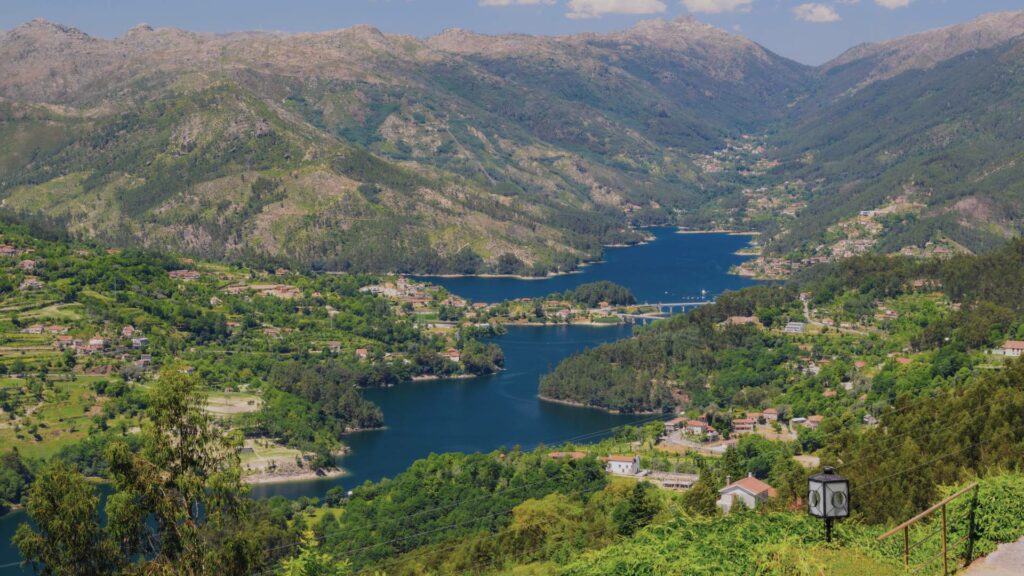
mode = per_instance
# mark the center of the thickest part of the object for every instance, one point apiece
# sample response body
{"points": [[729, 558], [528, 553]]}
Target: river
{"points": [[503, 410]]}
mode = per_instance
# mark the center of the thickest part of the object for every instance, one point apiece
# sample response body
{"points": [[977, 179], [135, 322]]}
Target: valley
{"points": [[361, 303]]}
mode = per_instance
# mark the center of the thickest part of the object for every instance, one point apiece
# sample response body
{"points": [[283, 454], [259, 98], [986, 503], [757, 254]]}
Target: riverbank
{"points": [[726, 232], [563, 324], [292, 475], [578, 270], [575, 404], [433, 377], [547, 276]]}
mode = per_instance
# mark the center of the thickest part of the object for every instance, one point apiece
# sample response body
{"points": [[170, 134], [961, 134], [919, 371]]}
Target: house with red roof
{"points": [[749, 492], [743, 425], [674, 424], [699, 427], [1012, 348]]}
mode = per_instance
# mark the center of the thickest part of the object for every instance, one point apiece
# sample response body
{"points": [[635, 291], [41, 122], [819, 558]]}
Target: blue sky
{"points": [[808, 31]]}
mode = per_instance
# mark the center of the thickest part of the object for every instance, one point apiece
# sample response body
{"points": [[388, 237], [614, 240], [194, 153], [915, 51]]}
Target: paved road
{"points": [[1007, 560]]}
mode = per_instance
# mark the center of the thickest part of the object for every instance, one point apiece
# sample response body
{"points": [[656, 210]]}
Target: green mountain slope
{"points": [[357, 150], [943, 138], [373, 151]]}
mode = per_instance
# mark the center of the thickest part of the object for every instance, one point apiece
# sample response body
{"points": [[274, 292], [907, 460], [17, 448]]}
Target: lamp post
{"points": [[828, 497]]}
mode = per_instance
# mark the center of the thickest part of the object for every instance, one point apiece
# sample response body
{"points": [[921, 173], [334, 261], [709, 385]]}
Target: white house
{"points": [[1012, 348], [698, 427], [623, 465], [748, 491], [794, 328]]}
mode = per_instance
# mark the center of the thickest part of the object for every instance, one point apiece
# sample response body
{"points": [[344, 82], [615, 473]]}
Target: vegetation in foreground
{"points": [[505, 512]]}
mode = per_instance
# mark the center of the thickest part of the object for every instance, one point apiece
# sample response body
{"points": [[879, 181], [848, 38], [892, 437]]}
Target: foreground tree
{"points": [[68, 539], [179, 505]]}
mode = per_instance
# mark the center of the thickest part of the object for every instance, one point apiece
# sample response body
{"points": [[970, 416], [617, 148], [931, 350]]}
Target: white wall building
{"points": [[1011, 348], [748, 492], [623, 465]]}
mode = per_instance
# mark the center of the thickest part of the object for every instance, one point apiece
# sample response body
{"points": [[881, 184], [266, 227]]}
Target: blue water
{"points": [[474, 415], [503, 410], [673, 268]]}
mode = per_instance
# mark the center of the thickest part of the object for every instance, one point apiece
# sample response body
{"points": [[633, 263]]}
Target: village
{"points": [[682, 436]]}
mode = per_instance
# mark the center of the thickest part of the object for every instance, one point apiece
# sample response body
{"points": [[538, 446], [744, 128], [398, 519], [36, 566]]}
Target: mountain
{"points": [[467, 153], [866, 64], [359, 150], [929, 136]]}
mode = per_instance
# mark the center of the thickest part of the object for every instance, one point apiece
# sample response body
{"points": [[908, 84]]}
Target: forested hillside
{"points": [[939, 317], [359, 150], [943, 142], [466, 153]]}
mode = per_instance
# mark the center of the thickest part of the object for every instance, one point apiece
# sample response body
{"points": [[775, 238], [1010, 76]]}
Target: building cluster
{"points": [[130, 339]]}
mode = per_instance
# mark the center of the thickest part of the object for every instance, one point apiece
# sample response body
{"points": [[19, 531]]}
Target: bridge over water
{"points": [[664, 309]]}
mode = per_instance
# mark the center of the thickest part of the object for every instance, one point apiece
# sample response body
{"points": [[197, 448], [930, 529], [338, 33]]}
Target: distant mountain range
{"points": [[465, 153]]}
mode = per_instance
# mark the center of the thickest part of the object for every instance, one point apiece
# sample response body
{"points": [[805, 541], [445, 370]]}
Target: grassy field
{"points": [[261, 454], [226, 404], [56, 312], [62, 418]]}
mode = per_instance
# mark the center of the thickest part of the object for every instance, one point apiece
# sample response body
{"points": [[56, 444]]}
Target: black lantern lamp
{"points": [[828, 497]]}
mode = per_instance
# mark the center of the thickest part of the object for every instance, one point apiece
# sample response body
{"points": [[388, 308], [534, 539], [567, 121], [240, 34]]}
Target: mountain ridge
{"points": [[469, 150]]}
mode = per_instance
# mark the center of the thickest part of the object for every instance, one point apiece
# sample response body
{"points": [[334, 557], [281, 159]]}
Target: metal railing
{"points": [[908, 546]]}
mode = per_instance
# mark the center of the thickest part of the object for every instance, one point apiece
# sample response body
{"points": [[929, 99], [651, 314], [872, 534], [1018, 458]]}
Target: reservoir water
{"points": [[672, 268], [503, 410]]}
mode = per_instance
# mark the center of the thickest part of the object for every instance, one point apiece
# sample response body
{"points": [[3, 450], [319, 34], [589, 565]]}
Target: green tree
{"points": [[178, 507], [310, 562], [701, 499], [638, 510], [187, 478], [67, 539]]}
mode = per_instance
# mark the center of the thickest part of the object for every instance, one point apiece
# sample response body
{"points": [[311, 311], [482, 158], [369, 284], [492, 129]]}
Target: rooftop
{"points": [[752, 486]]}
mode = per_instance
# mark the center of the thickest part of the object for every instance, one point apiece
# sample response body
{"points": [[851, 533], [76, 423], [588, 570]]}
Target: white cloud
{"points": [[816, 13], [514, 2], [598, 8], [893, 4], [717, 6]]}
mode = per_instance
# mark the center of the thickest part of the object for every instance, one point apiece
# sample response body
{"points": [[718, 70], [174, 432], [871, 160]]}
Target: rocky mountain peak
{"points": [[40, 30], [138, 29], [926, 49]]}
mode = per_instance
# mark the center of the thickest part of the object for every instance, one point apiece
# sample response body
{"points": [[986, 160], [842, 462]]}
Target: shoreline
{"points": [[434, 377], [563, 324], [578, 270], [576, 404], [722, 231], [292, 476], [548, 276]]}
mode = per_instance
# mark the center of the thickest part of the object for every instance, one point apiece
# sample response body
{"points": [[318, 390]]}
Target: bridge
{"points": [[664, 309]]}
